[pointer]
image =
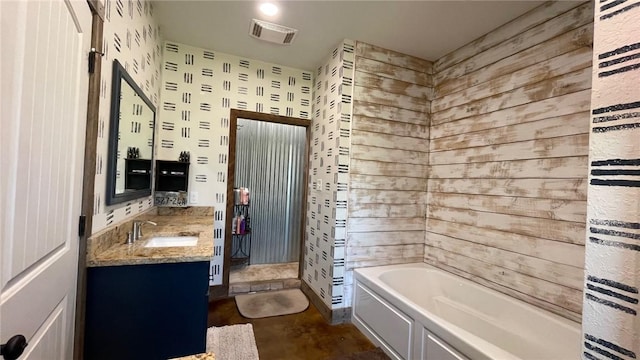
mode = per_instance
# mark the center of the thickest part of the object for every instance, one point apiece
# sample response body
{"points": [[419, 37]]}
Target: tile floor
{"points": [[262, 272], [263, 277], [304, 336]]}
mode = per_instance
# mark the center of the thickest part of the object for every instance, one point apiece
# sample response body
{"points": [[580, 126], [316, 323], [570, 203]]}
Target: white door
{"points": [[43, 109]]}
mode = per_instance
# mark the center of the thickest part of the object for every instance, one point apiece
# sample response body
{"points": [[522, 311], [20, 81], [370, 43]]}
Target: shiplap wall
{"points": [[508, 158], [388, 158]]}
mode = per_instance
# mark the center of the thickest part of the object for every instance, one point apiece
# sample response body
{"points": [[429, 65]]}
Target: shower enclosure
{"points": [[270, 161]]}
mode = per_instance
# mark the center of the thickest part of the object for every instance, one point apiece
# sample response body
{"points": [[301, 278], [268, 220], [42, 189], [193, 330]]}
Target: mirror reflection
{"points": [[135, 136], [131, 140]]}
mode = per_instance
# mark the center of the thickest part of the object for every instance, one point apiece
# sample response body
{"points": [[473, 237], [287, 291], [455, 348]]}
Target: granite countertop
{"points": [[112, 249]]}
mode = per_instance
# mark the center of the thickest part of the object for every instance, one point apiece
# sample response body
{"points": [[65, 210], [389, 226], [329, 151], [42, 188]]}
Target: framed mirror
{"points": [[131, 136]]}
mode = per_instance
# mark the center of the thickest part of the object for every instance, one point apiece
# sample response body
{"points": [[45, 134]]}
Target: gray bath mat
{"points": [[272, 303], [234, 342]]}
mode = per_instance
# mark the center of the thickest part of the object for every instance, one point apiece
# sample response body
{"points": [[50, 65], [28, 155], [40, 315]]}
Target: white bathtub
{"points": [[415, 311]]}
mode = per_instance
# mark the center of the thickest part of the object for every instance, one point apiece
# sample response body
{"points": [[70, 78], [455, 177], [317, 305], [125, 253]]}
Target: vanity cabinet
{"points": [[149, 311]]}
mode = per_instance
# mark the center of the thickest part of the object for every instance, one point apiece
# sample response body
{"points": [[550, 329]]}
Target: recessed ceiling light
{"points": [[269, 9]]}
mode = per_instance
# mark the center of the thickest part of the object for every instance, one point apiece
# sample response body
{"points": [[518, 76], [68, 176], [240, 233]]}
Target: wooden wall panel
{"points": [[556, 230], [384, 112], [388, 158], [384, 255], [394, 86], [557, 147], [383, 126], [554, 168], [561, 189], [387, 140], [518, 25], [559, 85], [373, 52], [555, 251], [551, 68], [567, 210], [366, 239], [387, 182], [363, 196], [385, 168], [389, 155], [382, 97], [392, 71], [566, 275], [364, 210], [557, 25], [546, 128], [574, 39], [508, 160], [559, 106]]}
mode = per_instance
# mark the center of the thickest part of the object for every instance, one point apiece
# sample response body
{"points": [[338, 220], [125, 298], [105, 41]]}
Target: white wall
{"points": [[324, 257], [199, 87], [610, 314], [130, 35]]}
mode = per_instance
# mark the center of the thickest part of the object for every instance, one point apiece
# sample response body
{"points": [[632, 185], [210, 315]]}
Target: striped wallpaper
{"points": [[324, 247], [131, 36], [199, 87], [611, 326]]}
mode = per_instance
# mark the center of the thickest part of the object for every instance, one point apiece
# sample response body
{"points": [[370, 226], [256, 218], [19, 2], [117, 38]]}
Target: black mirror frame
{"points": [[112, 198]]}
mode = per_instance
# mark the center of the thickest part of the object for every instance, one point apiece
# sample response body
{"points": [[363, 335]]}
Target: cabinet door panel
{"points": [[154, 311]]}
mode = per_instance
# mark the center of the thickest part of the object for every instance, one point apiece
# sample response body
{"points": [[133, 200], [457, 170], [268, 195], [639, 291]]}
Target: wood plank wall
{"points": [[388, 158], [508, 158]]}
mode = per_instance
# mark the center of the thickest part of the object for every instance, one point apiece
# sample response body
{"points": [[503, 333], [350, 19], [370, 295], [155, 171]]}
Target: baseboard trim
{"points": [[331, 316]]}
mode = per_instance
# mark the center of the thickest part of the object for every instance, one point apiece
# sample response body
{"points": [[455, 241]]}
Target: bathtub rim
{"points": [[469, 344]]}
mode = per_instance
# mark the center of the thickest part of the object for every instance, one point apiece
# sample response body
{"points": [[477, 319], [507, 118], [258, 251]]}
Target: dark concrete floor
{"points": [[305, 336]]}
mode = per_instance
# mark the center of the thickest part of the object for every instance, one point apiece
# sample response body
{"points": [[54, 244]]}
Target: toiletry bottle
{"points": [[238, 224], [237, 198], [245, 195], [243, 224], [234, 228]]}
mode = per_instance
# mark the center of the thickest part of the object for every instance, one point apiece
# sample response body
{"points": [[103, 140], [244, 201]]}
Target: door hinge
{"points": [[92, 59], [82, 225]]}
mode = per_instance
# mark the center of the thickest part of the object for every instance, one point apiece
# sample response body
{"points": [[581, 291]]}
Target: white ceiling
{"points": [[426, 29]]}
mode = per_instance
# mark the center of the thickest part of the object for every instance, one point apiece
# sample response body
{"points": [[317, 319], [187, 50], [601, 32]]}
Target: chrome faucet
{"points": [[137, 228]]}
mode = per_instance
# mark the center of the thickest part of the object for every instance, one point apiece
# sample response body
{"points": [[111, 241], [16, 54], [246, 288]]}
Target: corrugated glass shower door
{"points": [[270, 159]]}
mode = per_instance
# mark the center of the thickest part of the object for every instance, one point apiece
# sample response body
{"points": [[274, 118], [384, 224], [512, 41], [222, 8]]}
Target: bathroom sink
{"points": [[169, 241]]}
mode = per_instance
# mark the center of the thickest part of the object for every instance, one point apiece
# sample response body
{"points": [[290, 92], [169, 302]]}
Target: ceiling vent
{"points": [[274, 33]]}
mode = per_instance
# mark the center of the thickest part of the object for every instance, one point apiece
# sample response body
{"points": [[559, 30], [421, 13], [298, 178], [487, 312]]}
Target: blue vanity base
{"points": [[156, 311]]}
